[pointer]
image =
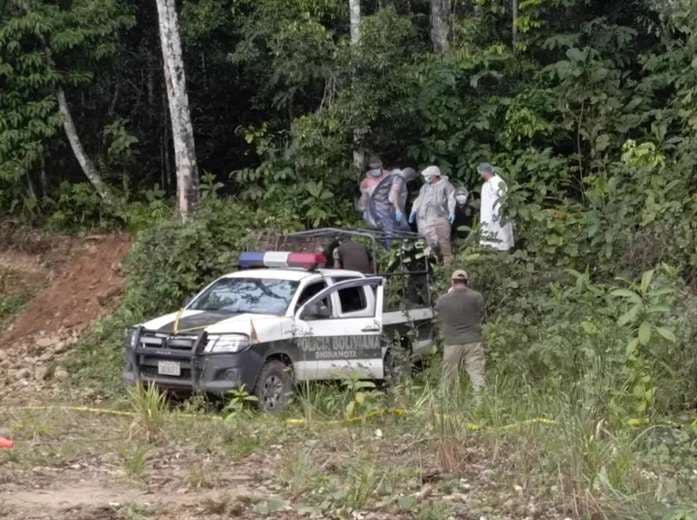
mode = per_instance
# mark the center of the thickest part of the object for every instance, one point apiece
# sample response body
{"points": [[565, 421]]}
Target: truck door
{"points": [[336, 342]]}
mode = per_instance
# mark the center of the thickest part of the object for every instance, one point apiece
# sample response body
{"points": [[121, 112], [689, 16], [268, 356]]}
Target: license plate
{"points": [[169, 368]]}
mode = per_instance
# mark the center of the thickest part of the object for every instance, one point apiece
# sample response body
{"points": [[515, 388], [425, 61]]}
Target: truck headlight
{"points": [[229, 343], [129, 338]]}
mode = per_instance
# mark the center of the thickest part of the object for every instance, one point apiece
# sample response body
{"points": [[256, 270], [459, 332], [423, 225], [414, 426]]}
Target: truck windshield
{"points": [[247, 295]]}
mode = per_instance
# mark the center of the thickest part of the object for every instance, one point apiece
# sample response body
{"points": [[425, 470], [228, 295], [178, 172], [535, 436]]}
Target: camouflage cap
{"points": [[460, 276]]}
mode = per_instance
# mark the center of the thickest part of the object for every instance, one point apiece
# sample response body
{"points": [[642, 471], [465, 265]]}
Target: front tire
{"points": [[274, 387]]}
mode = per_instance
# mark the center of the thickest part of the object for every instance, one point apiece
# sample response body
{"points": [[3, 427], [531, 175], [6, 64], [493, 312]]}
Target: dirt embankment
{"points": [[72, 281], [87, 284]]}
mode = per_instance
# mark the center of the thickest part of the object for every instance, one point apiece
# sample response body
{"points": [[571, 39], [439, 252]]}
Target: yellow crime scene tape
{"points": [[396, 412]]}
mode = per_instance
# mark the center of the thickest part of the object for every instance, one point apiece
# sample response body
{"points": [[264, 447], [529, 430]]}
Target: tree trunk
{"points": [[180, 116], [355, 12], [514, 10], [85, 162], [440, 27], [83, 159]]}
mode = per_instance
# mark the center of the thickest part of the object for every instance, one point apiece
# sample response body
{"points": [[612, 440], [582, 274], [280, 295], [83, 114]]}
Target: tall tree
{"points": [[40, 27], [440, 24], [355, 13], [514, 22], [180, 115], [83, 159]]}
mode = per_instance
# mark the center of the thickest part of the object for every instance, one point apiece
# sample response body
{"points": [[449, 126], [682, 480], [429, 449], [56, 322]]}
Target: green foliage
{"points": [[45, 46], [363, 395], [172, 261], [78, 206], [150, 410], [239, 402], [9, 306]]}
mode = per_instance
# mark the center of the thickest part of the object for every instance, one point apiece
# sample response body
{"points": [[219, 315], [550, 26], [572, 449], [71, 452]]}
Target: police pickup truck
{"points": [[278, 321]]}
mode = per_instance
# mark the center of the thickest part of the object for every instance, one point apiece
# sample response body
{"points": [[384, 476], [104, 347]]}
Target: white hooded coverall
{"points": [[495, 233], [432, 207]]}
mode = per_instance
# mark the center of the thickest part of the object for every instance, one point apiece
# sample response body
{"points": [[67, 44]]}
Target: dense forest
{"points": [[576, 102]]}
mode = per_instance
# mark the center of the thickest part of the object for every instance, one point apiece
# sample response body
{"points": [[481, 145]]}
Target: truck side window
{"points": [[352, 300], [309, 292]]}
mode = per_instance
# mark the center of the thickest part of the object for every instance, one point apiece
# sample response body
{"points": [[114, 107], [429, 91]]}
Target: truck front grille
{"points": [[163, 341]]}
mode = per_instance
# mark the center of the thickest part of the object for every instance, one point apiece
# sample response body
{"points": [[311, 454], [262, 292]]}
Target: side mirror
{"points": [[317, 311]]}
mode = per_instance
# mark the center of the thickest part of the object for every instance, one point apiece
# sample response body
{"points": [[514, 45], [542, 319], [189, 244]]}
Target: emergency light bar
{"points": [[279, 259]]}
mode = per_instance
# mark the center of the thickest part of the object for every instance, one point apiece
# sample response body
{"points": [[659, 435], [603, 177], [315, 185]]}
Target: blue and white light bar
{"points": [[282, 260]]}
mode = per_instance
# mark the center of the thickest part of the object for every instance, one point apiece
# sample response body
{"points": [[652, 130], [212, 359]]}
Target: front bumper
{"points": [[199, 371]]}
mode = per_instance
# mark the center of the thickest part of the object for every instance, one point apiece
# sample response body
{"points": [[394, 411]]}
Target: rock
{"points": [[45, 341], [60, 347], [61, 374], [40, 373], [23, 373]]}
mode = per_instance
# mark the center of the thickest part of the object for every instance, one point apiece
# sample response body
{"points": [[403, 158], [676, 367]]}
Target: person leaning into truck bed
{"points": [[352, 256], [460, 314]]}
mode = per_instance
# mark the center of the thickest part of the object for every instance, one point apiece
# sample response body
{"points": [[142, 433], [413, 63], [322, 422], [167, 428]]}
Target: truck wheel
{"points": [[274, 387]]}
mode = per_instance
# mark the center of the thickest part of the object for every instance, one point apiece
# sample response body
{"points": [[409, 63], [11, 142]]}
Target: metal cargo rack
{"points": [[375, 238]]}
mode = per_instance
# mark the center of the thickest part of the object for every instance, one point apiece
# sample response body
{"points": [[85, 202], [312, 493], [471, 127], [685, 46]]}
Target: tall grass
{"points": [[150, 408]]}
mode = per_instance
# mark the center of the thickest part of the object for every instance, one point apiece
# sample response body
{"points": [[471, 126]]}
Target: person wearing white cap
{"points": [[434, 211], [496, 232]]}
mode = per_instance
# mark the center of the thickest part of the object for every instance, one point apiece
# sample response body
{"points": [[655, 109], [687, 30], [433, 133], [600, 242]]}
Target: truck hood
{"points": [[212, 322]]}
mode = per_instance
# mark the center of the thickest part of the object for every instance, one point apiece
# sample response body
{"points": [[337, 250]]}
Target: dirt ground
{"points": [[61, 285], [81, 280], [84, 466], [70, 465]]}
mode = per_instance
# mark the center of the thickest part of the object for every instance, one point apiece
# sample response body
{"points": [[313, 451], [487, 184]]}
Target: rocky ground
{"points": [[68, 284]]}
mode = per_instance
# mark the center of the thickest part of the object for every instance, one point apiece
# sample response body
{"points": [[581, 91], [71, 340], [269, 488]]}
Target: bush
{"points": [[628, 348], [78, 206]]}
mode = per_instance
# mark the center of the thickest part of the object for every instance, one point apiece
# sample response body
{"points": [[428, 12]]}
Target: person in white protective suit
{"points": [[434, 211], [497, 233]]}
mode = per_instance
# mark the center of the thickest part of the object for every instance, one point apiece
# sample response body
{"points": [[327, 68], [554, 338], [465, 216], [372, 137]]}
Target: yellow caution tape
{"points": [[175, 329], [400, 412], [104, 411], [397, 412], [70, 409]]}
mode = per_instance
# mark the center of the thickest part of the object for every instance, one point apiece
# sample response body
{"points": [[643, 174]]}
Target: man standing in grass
{"points": [[460, 313]]}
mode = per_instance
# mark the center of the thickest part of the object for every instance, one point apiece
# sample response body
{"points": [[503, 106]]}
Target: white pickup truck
{"points": [[278, 321]]}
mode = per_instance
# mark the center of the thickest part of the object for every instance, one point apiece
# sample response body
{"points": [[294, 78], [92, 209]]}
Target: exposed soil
{"points": [[83, 280], [75, 497]]}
